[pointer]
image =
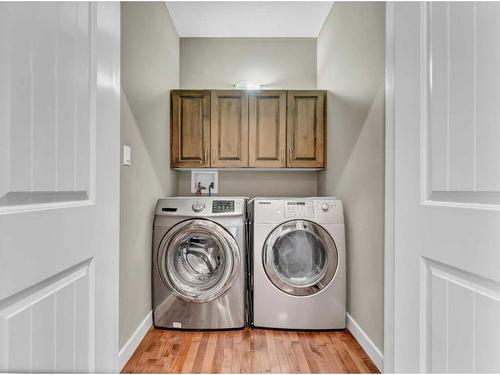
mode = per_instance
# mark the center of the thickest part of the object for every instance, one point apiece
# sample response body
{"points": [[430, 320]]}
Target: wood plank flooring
{"points": [[249, 351]]}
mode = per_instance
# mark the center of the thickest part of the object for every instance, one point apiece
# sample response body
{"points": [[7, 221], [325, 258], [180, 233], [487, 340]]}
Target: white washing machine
{"points": [[199, 263], [298, 263]]}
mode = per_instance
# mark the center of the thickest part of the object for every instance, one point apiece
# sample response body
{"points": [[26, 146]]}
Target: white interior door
{"points": [[59, 186], [447, 187]]}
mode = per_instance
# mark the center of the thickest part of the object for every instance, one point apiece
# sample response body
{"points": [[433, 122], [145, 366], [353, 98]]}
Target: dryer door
{"points": [[199, 260], [300, 257]]}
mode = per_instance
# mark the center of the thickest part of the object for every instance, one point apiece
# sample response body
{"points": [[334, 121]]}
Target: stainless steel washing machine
{"points": [[198, 263]]}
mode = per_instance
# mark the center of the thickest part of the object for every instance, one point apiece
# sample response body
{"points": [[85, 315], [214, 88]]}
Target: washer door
{"points": [[300, 257], [199, 260]]}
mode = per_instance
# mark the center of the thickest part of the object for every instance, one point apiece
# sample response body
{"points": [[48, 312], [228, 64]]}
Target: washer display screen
{"points": [[222, 206]]}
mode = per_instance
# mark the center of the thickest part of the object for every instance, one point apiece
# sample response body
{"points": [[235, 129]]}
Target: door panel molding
{"points": [[50, 325], [459, 91], [49, 157], [450, 297]]}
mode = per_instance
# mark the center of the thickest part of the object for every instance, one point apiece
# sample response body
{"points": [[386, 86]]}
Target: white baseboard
{"points": [[369, 347], [134, 340]]}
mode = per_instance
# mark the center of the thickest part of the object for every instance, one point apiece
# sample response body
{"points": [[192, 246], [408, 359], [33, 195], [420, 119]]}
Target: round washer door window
{"points": [[198, 260], [300, 258]]}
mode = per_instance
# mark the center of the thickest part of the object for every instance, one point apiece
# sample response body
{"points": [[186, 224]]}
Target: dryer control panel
{"points": [[317, 209], [299, 209]]}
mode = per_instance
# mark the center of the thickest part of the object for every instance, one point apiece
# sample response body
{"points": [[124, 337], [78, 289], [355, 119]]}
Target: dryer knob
{"points": [[198, 206], [324, 207]]}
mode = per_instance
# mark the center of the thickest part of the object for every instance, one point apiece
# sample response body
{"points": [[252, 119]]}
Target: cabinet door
{"points": [[229, 129], [190, 129], [306, 129], [267, 129]]}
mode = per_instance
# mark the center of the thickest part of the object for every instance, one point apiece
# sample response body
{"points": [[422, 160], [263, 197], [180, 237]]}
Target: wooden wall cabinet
{"points": [[306, 129], [256, 129], [190, 129], [267, 129], [229, 129]]}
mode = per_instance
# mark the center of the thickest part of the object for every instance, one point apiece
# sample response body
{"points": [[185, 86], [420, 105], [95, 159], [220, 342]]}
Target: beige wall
{"points": [[150, 69], [259, 184], [287, 63], [217, 63], [351, 68]]}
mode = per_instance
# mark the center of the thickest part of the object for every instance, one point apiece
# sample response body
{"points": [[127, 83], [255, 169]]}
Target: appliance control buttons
{"points": [[324, 207], [299, 209], [222, 206], [198, 206]]}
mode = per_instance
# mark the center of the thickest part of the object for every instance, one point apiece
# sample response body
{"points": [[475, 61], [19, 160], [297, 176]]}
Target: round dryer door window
{"points": [[198, 260], [300, 257]]}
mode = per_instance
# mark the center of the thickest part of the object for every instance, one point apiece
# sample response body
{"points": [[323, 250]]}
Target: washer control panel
{"points": [[222, 206], [298, 209]]}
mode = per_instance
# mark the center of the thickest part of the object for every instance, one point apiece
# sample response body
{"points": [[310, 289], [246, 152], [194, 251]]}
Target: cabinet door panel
{"points": [[229, 128], [267, 129], [306, 129], [190, 135]]}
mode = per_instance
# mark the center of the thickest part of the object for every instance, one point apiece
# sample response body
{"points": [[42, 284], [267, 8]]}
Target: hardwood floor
{"points": [[249, 351]]}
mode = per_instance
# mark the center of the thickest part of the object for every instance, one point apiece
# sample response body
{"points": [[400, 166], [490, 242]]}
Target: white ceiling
{"points": [[249, 18]]}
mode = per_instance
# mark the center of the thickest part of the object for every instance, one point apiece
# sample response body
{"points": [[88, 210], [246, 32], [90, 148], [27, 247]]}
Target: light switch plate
{"points": [[205, 178], [127, 155]]}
